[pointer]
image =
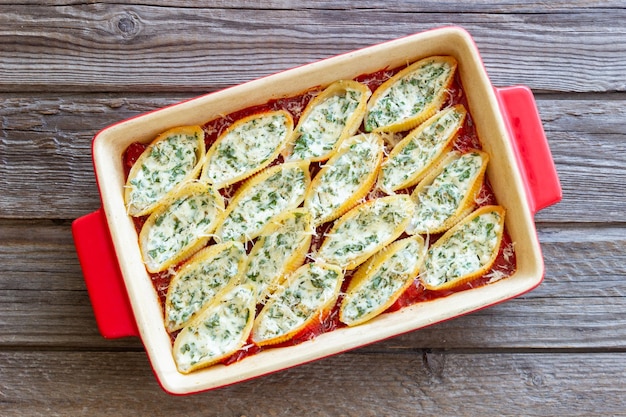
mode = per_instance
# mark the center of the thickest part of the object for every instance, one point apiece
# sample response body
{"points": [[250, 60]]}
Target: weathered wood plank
{"points": [[45, 145], [43, 319], [105, 47], [43, 302], [585, 262], [402, 6], [357, 384], [588, 144]]}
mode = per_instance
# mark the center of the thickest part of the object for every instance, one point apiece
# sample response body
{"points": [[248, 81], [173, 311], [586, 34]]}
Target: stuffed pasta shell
{"points": [[173, 158], [410, 160], [466, 251], [305, 296], [365, 229], [380, 281], [411, 96], [448, 193], [345, 178], [262, 197], [335, 114], [207, 273], [181, 226], [219, 331], [280, 249], [246, 147]]}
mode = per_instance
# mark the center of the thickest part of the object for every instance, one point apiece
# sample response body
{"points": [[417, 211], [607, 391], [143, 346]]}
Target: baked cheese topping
{"points": [[328, 118], [218, 331], [172, 158], [345, 178], [466, 250], [178, 227], [413, 92], [416, 153], [280, 249], [380, 281], [366, 229], [248, 146], [438, 202], [197, 283], [278, 189], [309, 291]]}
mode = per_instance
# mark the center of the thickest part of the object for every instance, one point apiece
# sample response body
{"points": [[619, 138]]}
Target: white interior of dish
{"points": [[503, 175]]}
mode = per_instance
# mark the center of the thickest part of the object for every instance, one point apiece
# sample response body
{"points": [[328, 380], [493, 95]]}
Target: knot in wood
{"points": [[128, 24], [536, 380], [434, 363]]}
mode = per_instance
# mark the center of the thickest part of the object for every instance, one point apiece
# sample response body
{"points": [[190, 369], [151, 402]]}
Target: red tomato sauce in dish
{"points": [[504, 266]]}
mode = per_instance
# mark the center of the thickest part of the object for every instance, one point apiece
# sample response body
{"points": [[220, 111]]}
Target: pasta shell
{"points": [[206, 274], [246, 147], [410, 160], [466, 251], [174, 157], [262, 197], [180, 226], [221, 329], [448, 193], [307, 294], [365, 230], [280, 249], [335, 114], [347, 177], [378, 283], [411, 96]]}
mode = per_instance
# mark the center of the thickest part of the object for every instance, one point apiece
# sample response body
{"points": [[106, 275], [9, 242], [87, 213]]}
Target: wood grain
{"points": [[408, 383], [105, 47]]}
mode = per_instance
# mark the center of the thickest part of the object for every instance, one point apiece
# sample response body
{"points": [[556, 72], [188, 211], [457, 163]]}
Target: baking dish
{"points": [[521, 172]]}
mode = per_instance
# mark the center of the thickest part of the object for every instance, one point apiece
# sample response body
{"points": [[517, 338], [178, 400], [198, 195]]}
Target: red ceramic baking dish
{"points": [[521, 172]]}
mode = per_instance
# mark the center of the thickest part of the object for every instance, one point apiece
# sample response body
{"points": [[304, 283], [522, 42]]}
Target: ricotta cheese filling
{"points": [[366, 228], [323, 126], [306, 292], [465, 251], [197, 284], [382, 283], [440, 200], [221, 329], [344, 175], [272, 253], [283, 190], [420, 150], [245, 148], [168, 163], [409, 95], [179, 226]]}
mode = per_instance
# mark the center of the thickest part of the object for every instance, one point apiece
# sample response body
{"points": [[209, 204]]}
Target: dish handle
{"points": [[530, 144], [102, 275]]}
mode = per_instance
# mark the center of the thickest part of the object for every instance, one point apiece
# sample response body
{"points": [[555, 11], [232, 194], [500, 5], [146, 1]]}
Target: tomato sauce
{"points": [[131, 154], [466, 139]]}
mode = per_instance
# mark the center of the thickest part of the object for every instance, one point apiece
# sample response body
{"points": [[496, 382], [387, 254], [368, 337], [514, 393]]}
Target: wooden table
{"points": [[69, 69]]}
